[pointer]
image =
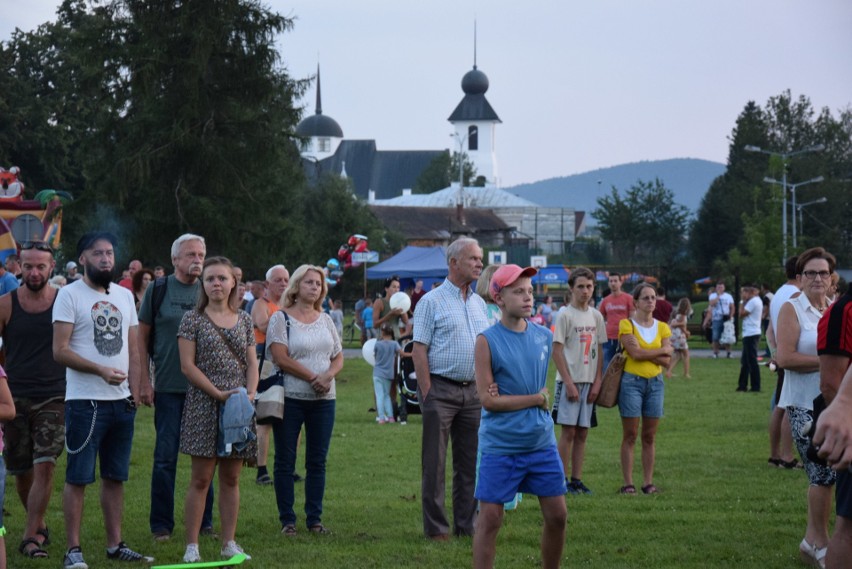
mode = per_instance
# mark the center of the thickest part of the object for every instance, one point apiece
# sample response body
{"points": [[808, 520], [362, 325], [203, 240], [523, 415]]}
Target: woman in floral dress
{"points": [[218, 356]]}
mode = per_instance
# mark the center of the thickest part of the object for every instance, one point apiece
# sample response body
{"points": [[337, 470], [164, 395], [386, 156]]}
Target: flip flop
{"points": [[629, 489], [650, 489]]}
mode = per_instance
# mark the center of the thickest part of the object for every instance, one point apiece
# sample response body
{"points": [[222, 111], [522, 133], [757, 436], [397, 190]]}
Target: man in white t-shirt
{"points": [[577, 352], [721, 311], [751, 310], [94, 336]]}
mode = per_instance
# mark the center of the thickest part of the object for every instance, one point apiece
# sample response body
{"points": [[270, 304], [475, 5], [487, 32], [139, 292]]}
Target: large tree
{"points": [[645, 225], [443, 170], [738, 227]]}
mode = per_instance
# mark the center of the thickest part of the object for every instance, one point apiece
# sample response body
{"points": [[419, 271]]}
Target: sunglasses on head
{"points": [[39, 245]]}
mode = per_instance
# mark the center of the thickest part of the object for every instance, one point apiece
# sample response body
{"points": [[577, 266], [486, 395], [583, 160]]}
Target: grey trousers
{"points": [[450, 411]]}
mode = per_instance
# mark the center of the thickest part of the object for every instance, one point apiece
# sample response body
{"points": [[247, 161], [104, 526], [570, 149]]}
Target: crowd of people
{"points": [[80, 358]]}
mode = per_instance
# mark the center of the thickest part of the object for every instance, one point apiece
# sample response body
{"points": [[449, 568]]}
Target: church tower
{"points": [[321, 135], [475, 122]]}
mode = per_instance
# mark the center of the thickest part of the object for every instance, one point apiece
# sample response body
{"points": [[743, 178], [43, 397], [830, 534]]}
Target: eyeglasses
{"points": [[814, 274], [40, 245]]}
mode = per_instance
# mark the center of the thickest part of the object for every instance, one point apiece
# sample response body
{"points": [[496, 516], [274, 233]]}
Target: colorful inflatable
{"points": [[355, 244], [22, 220]]}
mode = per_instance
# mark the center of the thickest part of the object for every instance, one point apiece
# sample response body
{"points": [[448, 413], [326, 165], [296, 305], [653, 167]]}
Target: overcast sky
{"points": [[578, 85]]}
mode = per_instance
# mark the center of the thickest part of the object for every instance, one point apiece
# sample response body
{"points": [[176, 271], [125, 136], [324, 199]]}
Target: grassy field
{"points": [[720, 504]]}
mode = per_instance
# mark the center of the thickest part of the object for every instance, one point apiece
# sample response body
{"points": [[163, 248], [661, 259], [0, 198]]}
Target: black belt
{"points": [[452, 381]]}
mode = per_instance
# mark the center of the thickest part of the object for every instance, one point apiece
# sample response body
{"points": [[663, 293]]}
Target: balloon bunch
{"points": [[11, 187], [334, 269]]}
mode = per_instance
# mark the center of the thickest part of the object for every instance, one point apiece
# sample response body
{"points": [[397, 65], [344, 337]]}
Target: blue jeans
{"points": [[318, 418], [168, 411], [609, 349], [384, 408]]}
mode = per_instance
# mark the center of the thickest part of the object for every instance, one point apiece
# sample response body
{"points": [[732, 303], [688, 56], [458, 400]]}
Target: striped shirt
{"points": [[448, 326]]}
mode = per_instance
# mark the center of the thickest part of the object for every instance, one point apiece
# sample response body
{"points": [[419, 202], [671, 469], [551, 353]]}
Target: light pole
{"points": [[793, 192], [784, 157], [802, 206]]}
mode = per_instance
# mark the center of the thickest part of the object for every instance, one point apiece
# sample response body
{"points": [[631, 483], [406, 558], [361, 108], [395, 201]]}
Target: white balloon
{"points": [[400, 300], [368, 351]]}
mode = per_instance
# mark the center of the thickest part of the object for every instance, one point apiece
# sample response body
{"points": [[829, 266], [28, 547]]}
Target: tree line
{"points": [[168, 117], [737, 229]]}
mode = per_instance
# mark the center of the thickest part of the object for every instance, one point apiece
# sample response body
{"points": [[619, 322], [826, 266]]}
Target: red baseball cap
{"points": [[507, 274]]}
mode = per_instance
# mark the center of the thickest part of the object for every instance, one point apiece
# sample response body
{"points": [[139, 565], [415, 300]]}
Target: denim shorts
{"points": [[641, 396], [98, 431], [718, 326], [501, 476]]}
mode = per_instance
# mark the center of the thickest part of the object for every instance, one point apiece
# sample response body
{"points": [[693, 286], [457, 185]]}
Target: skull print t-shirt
{"points": [[101, 327]]}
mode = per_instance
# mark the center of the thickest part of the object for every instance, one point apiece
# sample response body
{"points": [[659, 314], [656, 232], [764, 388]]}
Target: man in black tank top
{"points": [[36, 437]]}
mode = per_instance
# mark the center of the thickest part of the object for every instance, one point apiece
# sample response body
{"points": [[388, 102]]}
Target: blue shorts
{"points": [[501, 476], [98, 430], [640, 396], [718, 327]]}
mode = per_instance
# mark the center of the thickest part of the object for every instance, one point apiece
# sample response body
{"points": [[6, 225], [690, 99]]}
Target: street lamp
{"points": [[784, 157], [802, 206], [793, 191]]}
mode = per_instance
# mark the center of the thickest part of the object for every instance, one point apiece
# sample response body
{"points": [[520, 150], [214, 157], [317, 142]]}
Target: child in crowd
{"points": [[386, 351], [337, 317], [578, 354], [680, 336], [516, 441], [367, 317], [7, 413]]}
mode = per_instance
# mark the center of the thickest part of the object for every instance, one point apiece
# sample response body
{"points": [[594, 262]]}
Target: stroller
{"points": [[406, 386]]}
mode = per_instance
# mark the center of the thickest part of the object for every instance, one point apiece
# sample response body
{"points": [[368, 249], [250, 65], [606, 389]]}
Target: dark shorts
{"points": [[843, 494], [36, 434], [99, 431]]}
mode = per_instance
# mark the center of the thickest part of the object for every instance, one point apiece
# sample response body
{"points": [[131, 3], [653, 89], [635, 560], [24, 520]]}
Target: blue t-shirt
{"points": [[384, 350], [8, 283], [519, 364], [367, 316]]}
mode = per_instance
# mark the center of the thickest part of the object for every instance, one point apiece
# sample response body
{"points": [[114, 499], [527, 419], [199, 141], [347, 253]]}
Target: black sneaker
{"points": [[124, 553], [577, 487]]}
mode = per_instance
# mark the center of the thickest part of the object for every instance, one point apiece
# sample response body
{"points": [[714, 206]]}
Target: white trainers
{"points": [[192, 554], [812, 555], [232, 548]]}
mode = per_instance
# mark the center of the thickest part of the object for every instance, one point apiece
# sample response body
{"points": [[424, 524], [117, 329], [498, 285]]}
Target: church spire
{"points": [[319, 96], [474, 44]]}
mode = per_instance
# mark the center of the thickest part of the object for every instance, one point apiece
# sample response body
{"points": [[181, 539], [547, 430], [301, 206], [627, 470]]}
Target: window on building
{"points": [[324, 145], [472, 138]]}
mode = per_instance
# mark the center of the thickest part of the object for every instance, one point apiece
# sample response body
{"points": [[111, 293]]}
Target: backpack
{"points": [[157, 297]]}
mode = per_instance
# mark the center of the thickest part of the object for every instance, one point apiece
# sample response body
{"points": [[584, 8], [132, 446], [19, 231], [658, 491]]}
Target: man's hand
{"points": [[545, 399], [833, 436], [493, 390], [146, 394], [112, 376]]}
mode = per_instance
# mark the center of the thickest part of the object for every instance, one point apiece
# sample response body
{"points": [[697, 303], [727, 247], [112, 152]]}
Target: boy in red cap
{"points": [[516, 442]]}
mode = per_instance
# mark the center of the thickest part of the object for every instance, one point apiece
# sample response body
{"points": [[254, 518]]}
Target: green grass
{"points": [[720, 504]]}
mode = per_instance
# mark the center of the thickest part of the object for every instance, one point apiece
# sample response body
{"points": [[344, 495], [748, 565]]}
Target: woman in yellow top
{"points": [[648, 349]]}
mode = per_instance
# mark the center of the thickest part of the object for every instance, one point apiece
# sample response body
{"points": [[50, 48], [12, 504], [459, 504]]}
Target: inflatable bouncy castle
{"points": [[22, 220]]}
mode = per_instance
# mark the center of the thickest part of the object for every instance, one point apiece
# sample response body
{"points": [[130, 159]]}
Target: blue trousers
{"points": [[168, 411], [318, 418]]}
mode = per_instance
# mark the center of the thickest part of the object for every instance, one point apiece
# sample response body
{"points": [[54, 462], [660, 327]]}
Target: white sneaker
{"points": [[232, 548], [192, 554], [812, 555]]}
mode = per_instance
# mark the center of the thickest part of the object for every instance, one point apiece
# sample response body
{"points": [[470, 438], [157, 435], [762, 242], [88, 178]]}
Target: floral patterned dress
{"points": [[200, 424], [679, 340]]}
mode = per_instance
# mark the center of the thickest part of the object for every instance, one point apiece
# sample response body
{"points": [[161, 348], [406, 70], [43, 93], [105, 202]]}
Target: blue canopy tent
{"points": [[427, 263], [551, 275]]}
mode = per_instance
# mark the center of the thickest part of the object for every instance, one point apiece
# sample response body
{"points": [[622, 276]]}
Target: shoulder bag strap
{"points": [[240, 360]]}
